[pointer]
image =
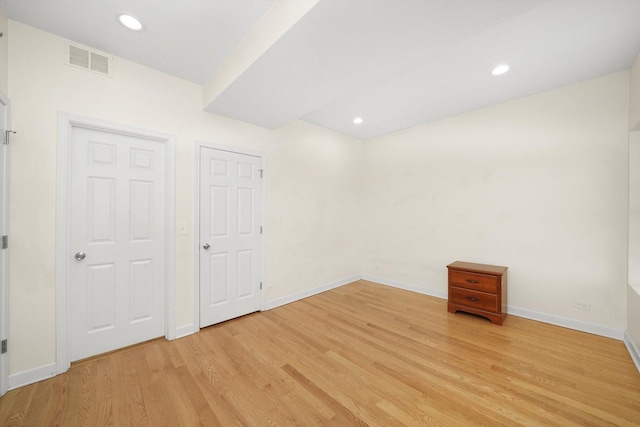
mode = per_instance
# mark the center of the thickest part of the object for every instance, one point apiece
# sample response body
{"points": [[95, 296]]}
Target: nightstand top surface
{"points": [[478, 268]]}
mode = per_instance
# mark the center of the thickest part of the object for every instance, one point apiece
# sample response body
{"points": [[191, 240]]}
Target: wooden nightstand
{"points": [[479, 289]]}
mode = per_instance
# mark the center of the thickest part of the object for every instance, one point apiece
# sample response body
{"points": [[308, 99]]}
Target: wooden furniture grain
{"points": [[479, 289]]}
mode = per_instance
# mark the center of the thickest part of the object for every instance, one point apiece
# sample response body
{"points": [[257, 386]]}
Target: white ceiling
{"points": [[396, 63]]}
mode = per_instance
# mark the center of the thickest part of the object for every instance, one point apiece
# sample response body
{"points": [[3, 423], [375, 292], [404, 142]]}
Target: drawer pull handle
{"points": [[473, 299], [473, 281]]}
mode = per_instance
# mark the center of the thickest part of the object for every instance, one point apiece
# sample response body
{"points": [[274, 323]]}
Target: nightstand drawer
{"points": [[473, 299], [475, 281]]}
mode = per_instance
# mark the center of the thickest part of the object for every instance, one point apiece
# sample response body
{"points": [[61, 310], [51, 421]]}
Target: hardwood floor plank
{"points": [[40, 404], [296, 398], [138, 413], [76, 410], [59, 399], [20, 405], [104, 393], [120, 403], [342, 416], [359, 355]]}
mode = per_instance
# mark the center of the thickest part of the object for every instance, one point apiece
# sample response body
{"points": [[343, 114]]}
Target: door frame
{"points": [[4, 255], [66, 122], [196, 222]]}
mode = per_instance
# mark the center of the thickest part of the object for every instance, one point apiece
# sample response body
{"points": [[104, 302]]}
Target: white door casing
{"points": [[4, 230], [230, 234], [116, 205]]}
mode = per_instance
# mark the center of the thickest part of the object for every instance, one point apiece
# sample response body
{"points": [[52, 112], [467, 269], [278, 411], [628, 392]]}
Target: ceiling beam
{"points": [[276, 21]]}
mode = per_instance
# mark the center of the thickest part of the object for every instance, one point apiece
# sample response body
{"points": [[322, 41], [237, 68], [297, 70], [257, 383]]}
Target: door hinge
{"points": [[5, 242], [6, 135], [260, 229], [261, 172], [261, 285], [4, 346]]}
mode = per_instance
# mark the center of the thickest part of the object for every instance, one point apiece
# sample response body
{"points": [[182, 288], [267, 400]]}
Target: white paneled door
{"points": [[117, 217], [230, 235]]}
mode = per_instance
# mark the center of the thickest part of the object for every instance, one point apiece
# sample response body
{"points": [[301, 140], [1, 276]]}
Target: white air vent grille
{"points": [[78, 57], [88, 59], [99, 63]]}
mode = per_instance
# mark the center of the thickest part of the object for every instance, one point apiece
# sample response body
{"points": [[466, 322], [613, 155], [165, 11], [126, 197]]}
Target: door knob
{"points": [[206, 246], [80, 256]]}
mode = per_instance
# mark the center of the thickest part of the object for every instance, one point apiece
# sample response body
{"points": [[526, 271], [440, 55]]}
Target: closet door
{"points": [[230, 235]]}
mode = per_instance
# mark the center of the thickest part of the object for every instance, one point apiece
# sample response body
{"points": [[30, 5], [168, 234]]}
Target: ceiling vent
{"points": [[88, 59]]}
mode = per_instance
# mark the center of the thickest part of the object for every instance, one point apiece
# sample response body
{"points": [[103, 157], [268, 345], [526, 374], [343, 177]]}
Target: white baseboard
{"points": [[268, 305], [577, 325], [186, 330], [406, 286], [633, 349], [31, 376]]}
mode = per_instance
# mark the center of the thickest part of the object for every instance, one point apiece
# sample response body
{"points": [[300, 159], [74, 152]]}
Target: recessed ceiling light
{"points": [[500, 69], [131, 22], [358, 121]]}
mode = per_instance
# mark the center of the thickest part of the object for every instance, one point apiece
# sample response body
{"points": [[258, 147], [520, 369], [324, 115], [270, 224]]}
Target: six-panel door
{"points": [[230, 241], [117, 200]]}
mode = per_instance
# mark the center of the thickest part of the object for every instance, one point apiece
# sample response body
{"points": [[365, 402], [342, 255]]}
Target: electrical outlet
{"points": [[582, 305]]}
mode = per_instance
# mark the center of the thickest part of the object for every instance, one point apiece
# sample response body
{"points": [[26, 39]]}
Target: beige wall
{"points": [[327, 207], [538, 184], [634, 96], [4, 52], [312, 178], [633, 301]]}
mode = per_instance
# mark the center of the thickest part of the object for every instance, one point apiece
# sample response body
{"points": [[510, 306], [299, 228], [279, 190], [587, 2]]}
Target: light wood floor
{"points": [[362, 354]]}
